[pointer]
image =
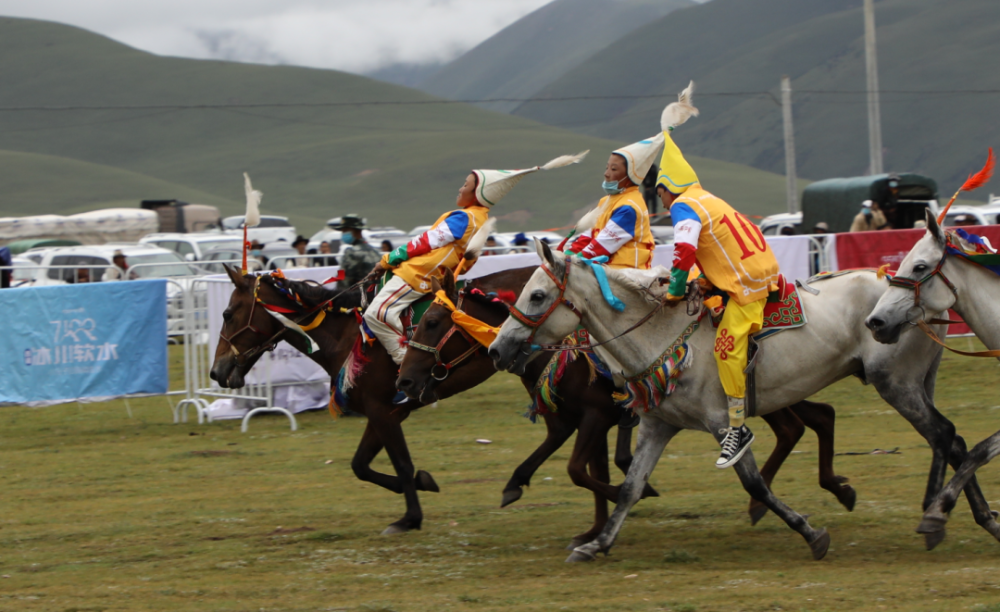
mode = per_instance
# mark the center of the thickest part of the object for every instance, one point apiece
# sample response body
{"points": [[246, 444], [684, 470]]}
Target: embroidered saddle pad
{"points": [[780, 313]]}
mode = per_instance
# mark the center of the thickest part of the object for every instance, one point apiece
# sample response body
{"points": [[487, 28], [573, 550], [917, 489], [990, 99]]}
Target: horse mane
{"points": [[643, 282], [313, 294]]}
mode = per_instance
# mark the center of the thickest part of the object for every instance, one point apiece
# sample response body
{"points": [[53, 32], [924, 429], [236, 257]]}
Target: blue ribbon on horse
{"points": [[602, 281]]}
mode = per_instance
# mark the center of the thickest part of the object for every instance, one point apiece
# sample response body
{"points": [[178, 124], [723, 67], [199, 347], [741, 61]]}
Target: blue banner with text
{"points": [[68, 342]]}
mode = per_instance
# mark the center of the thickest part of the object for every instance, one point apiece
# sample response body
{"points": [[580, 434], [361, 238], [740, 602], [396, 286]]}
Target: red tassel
{"points": [[982, 177], [975, 181]]}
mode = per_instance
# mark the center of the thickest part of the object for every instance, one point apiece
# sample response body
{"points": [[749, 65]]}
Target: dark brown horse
{"points": [[587, 405]]}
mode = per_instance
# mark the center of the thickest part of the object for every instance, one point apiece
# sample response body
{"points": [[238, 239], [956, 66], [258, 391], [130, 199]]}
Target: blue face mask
{"points": [[611, 187], [347, 238], [255, 252]]}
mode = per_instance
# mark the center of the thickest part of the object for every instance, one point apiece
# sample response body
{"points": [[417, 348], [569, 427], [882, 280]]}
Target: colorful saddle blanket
{"points": [[782, 311], [544, 395]]}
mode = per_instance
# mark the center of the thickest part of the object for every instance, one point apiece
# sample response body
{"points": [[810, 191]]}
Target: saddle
{"points": [[782, 311], [410, 319]]}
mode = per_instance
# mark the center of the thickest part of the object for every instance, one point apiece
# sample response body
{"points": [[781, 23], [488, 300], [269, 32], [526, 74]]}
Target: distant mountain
{"points": [[86, 122], [405, 74], [733, 48], [539, 48]]}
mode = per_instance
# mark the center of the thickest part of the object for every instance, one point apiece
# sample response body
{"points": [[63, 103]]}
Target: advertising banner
{"points": [[69, 342]]}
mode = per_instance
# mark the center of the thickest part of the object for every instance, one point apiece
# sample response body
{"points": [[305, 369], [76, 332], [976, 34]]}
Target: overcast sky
{"points": [[351, 35]]}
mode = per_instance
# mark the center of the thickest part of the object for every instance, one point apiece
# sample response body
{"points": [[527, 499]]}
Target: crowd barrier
{"points": [[285, 381]]}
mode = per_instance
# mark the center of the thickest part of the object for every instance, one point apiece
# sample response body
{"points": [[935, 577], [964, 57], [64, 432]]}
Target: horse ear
{"points": [[235, 276], [544, 252], [934, 229], [449, 285]]}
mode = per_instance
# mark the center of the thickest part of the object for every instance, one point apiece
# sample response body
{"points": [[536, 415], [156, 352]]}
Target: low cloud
{"points": [[343, 35]]}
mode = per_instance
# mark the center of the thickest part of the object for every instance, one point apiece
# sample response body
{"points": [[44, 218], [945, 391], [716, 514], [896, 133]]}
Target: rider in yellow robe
{"points": [[734, 257]]}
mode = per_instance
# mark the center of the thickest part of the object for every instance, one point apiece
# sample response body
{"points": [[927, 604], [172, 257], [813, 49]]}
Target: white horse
{"points": [[974, 293], [791, 366]]}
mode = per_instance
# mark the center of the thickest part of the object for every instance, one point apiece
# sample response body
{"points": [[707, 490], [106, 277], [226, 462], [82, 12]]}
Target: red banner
{"points": [[875, 249]]}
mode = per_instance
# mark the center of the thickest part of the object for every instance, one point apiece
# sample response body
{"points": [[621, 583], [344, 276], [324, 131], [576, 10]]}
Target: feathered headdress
{"points": [[252, 217], [975, 181]]}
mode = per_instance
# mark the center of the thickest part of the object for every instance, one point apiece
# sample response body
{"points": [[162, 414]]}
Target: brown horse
{"points": [[249, 330], [585, 404]]}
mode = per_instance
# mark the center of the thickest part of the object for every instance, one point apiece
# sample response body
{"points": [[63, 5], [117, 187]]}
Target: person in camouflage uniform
{"points": [[360, 258]]}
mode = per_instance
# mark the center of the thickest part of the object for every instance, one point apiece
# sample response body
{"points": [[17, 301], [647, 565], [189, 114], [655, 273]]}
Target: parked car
{"points": [[192, 247], [214, 260], [772, 225], [988, 214], [145, 261], [271, 229]]}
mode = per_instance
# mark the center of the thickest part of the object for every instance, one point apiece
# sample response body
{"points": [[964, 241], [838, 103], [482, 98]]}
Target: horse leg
{"points": [[558, 429], [591, 440], [788, 429], [821, 418], [389, 428], [368, 449], [653, 437], [746, 469], [936, 515], [947, 448], [623, 449], [599, 472]]}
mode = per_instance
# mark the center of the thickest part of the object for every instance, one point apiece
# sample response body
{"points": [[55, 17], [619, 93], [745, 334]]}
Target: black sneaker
{"points": [[736, 442]]}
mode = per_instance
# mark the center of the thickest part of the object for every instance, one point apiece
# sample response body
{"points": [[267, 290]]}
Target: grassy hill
{"points": [[537, 49], [318, 143], [34, 183], [746, 45]]}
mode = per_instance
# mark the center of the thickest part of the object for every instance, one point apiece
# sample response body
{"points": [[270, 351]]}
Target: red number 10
{"points": [[752, 233]]}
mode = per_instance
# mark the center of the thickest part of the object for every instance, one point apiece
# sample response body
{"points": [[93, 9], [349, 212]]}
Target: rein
{"points": [[535, 321], [914, 285], [279, 312], [455, 327]]}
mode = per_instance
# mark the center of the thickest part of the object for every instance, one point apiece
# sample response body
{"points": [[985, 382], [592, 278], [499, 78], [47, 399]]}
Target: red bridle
{"points": [[535, 321]]}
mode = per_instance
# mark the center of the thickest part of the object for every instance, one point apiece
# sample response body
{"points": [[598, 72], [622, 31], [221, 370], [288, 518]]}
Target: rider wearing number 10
{"points": [[732, 254]]}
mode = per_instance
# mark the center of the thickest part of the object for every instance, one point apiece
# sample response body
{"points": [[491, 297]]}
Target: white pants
{"points": [[383, 315]]}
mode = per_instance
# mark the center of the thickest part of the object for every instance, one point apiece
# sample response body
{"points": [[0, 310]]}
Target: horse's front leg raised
{"points": [[388, 426], [821, 419], [653, 437], [559, 427], [746, 468]]}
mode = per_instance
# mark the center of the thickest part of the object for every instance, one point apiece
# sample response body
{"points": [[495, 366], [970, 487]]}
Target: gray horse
{"points": [[791, 366], [973, 292]]}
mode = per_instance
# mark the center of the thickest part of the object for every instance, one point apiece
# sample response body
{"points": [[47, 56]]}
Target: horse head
{"points": [[421, 370], [246, 328], [919, 290], [543, 314]]}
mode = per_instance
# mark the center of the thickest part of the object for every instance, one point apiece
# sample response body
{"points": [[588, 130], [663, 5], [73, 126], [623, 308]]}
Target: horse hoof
{"points": [[510, 496], [847, 498], [394, 530], [841, 479], [426, 483], [578, 541], [995, 514], [820, 544], [931, 540], [649, 491], [578, 556], [757, 513]]}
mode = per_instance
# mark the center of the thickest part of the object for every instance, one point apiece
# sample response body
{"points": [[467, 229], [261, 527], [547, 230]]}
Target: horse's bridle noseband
{"points": [[533, 322], [242, 357], [442, 366], [915, 285]]}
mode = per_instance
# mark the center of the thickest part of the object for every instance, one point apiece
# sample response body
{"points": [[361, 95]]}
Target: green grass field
{"points": [[106, 512]]}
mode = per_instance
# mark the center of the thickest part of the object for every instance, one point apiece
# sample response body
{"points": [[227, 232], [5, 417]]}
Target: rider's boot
{"points": [[738, 436]]}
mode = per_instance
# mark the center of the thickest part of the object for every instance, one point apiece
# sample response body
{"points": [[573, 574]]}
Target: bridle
{"points": [[243, 357], [915, 285], [533, 322], [445, 367]]}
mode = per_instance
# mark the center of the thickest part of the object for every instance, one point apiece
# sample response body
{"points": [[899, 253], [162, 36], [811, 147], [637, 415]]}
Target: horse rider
{"points": [[428, 255], [732, 254], [360, 258], [621, 231]]}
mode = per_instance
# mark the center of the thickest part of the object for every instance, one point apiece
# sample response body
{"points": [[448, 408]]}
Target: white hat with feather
{"points": [[639, 156], [492, 185]]}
